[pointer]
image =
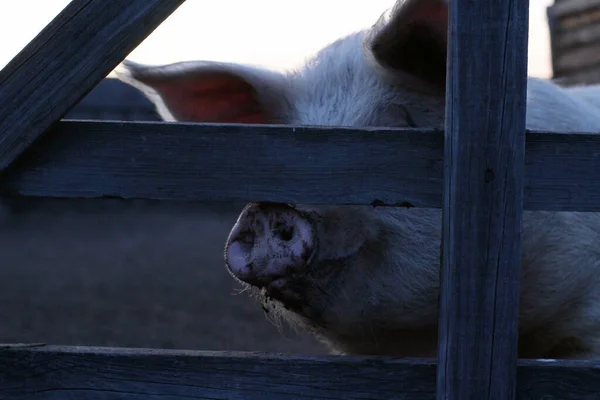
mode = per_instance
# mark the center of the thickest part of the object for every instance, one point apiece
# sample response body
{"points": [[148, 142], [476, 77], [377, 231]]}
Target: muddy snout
{"points": [[268, 243]]}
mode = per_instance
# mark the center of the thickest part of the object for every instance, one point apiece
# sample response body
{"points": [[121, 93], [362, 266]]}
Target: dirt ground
{"points": [[133, 274]]}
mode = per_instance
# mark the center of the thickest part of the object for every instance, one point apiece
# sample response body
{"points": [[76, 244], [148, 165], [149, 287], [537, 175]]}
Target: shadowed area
{"points": [[127, 273], [117, 273]]}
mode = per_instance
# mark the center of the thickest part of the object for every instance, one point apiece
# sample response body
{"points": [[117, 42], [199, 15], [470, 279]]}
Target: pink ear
{"points": [[204, 92], [212, 97]]}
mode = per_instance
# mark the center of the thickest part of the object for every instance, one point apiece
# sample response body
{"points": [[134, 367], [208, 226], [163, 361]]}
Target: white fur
{"points": [[560, 303], [373, 286]]}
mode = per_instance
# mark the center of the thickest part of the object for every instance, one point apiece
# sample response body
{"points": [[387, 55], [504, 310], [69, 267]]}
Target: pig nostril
{"points": [[286, 233]]}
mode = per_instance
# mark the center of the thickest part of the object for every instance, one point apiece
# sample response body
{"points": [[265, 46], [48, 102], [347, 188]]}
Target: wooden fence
{"points": [[575, 41], [479, 170]]}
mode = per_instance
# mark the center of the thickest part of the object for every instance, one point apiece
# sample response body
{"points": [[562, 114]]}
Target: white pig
{"points": [[366, 280]]}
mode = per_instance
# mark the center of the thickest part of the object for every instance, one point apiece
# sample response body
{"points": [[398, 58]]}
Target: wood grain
{"points": [[38, 372], [223, 162], [571, 61], [584, 36], [189, 162], [483, 199], [565, 8], [576, 78], [65, 61]]}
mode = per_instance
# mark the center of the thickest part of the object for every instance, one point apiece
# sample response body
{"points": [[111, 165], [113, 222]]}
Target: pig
{"points": [[363, 279]]}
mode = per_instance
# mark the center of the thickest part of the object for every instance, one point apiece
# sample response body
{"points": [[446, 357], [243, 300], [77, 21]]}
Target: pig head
{"points": [[364, 279]]}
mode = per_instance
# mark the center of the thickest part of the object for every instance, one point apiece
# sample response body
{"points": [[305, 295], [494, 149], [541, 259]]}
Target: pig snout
{"points": [[268, 244]]}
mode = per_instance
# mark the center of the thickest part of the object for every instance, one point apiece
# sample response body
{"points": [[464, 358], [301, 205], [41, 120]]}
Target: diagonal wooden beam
{"points": [[65, 61]]}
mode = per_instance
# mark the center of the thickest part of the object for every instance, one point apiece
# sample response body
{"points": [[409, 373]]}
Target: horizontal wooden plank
{"points": [[578, 77], [169, 161], [585, 36], [230, 163], [65, 61], [568, 7], [39, 372], [583, 57], [576, 21]]}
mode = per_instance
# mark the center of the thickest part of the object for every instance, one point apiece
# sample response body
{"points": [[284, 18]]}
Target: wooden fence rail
{"points": [[575, 41], [303, 165], [38, 372], [480, 171]]}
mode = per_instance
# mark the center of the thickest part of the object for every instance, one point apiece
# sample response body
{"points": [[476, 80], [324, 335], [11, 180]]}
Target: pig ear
{"points": [[204, 91], [410, 40]]}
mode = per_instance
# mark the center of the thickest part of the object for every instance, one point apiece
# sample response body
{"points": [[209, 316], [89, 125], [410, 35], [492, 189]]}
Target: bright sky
{"points": [[274, 33]]}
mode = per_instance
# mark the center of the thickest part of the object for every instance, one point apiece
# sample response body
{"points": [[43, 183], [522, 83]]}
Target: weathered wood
{"points": [[573, 78], [574, 38], [65, 61], [566, 8], [284, 164], [553, 30], [584, 36], [483, 198], [571, 60], [229, 162], [577, 21], [38, 372]]}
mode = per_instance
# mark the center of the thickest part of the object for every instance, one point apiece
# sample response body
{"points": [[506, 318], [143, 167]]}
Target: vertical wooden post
{"points": [[483, 197]]}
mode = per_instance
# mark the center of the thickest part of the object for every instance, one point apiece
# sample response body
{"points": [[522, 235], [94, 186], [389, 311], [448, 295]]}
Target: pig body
{"points": [[366, 280]]}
